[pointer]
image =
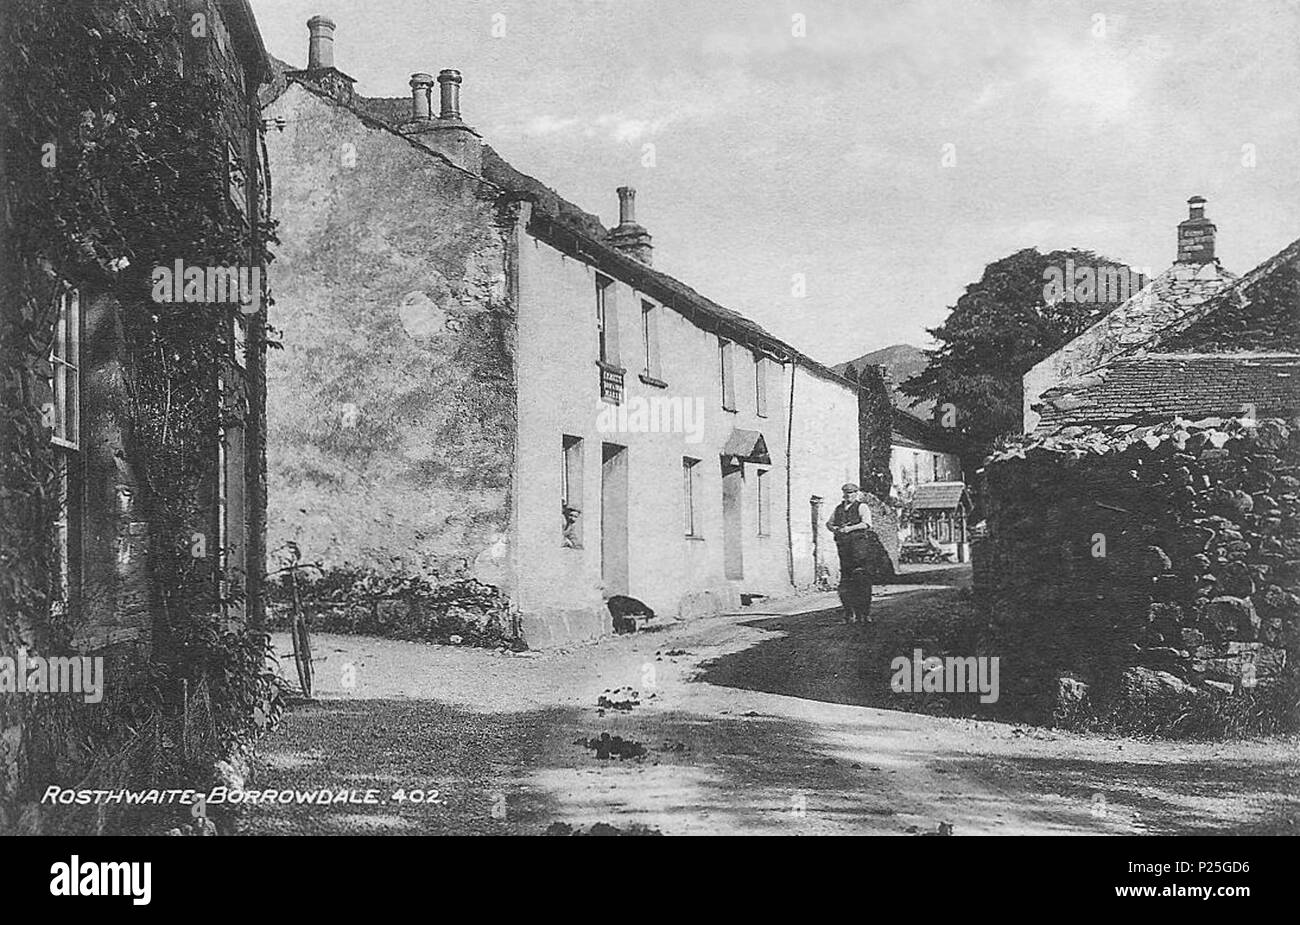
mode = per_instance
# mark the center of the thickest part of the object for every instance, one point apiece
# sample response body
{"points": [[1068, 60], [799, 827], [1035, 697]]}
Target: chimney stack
{"points": [[447, 134], [321, 71], [320, 47], [1196, 234], [421, 89], [628, 236], [626, 205]]}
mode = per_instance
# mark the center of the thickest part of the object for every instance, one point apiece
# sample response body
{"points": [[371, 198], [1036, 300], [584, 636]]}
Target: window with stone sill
{"points": [[571, 492], [606, 321], [652, 372], [610, 370]]}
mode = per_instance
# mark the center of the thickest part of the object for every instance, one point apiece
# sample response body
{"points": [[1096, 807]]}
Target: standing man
{"points": [[850, 524]]}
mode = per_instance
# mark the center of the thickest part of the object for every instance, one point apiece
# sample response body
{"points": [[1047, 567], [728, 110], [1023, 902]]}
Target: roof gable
{"points": [[1175, 296]]}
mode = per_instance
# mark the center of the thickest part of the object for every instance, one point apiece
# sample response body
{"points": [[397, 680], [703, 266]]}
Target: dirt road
{"points": [[756, 723]]}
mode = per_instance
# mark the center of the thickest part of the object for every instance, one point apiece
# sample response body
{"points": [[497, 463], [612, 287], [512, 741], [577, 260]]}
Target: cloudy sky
{"points": [[887, 151]]}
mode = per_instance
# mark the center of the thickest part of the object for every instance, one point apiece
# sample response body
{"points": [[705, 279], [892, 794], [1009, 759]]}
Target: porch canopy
{"points": [[747, 445]]}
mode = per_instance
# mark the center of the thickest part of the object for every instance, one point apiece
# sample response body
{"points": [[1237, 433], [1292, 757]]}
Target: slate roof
{"points": [[1165, 305], [938, 496], [572, 230], [1154, 387], [1260, 311]]}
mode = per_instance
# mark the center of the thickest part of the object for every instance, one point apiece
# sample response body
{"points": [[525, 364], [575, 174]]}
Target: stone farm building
{"points": [[1234, 353], [1170, 300], [1143, 542], [478, 376]]}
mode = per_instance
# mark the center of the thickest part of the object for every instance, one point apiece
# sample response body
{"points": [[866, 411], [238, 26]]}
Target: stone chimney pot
{"points": [[320, 47], [421, 89], [449, 93], [628, 236]]}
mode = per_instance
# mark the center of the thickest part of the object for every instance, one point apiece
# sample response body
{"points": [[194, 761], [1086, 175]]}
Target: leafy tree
{"points": [[1023, 308]]}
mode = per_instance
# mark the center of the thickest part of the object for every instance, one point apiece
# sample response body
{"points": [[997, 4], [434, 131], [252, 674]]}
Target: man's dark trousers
{"points": [[855, 575]]}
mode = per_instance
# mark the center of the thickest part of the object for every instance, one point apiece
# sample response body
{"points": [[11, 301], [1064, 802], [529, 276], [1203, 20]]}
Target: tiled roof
{"points": [[1160, 386], [938, 496]]}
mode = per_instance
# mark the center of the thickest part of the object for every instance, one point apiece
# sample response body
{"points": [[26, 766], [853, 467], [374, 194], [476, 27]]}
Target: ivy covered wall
{"points": [[123, 124]]}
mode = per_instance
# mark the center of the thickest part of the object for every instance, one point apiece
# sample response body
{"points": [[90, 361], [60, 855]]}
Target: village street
{"points": [[752, 723]]}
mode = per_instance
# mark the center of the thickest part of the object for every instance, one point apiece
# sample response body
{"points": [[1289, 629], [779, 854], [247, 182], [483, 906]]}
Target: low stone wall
{"points": [[1145, 565]]}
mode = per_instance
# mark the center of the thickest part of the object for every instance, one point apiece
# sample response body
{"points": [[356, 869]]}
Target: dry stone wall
{"points": [[1143, 566]]}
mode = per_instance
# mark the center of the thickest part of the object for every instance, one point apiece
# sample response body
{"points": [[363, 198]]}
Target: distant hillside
{"points": [[901, 362]]}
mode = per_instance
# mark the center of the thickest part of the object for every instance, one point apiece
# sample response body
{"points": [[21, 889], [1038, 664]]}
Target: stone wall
{"points": [[391, 405], [1145, 563], [114, 592]]}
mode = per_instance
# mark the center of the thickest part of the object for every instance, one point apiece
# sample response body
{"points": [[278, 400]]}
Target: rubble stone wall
{"points": [[1149, 562]]}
